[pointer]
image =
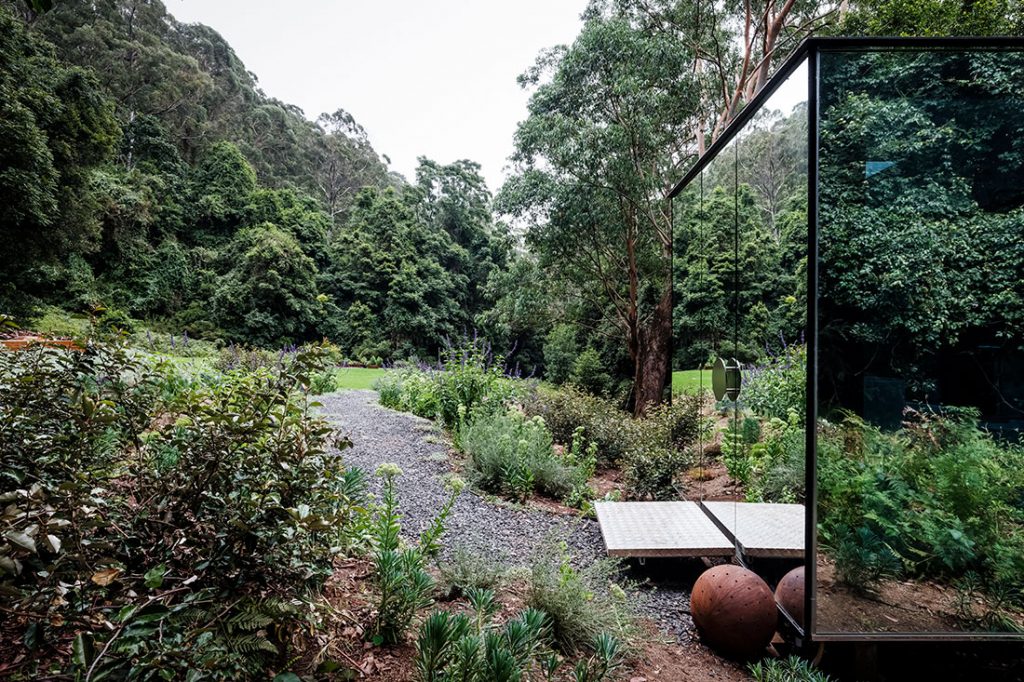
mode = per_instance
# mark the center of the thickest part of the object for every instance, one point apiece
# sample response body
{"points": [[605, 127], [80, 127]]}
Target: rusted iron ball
{"points": [[734, 611], [790, 594]]}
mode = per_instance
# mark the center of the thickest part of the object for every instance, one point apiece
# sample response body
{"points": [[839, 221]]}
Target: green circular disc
{"points": [[718, 379]]}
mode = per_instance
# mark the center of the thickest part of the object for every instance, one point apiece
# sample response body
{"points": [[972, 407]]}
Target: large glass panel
{"points": [[740, 284], [765, 447], [920, 462]]}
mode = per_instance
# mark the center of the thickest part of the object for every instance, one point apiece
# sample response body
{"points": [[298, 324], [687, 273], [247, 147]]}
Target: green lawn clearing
{"points": [[689, 381], [349, 378]]}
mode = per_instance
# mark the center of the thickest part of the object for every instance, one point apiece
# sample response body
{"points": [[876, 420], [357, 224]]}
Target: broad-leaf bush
{"points": [[651, 450], [567, 408], [166, 537]]}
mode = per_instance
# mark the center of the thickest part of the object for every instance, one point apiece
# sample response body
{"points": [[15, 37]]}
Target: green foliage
{"points": [[513, 454], [568, 408], [466, 569], [938, 498], [585, 172], [469, 381], [650, 450], [790, 669], [777, 463], [57, 128], [738, 438], [779, 387], [932, 18], [138, 515], [244, 459], [580, 603], [403, 585], [269, 295], [456, 647], [588, 372], [560, 353]]}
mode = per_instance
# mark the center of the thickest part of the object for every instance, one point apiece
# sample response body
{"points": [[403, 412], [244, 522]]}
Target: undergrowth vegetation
{"points": [[207, 513], [469, 379], [938, 498], [582, 603], [473, 648], [514, 455]]}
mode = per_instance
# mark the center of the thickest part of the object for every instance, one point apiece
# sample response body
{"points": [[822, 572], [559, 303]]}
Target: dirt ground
{"points": [[349, 592]]}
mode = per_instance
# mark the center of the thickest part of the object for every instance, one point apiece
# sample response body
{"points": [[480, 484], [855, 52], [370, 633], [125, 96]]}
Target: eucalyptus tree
{"points": [[594, 161]]}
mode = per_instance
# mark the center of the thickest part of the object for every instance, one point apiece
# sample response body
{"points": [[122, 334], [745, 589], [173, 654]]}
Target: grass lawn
{"points": [[348, 378], [688, 381]]}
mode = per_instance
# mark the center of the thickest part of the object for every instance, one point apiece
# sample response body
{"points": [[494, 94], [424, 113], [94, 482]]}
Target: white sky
{"points": [[433, 78]]}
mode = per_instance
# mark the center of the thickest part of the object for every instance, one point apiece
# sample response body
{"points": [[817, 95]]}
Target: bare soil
{"points": [[350, 594], [891, 606]]}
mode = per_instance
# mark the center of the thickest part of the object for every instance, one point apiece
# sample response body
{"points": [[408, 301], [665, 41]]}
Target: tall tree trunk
{"points": [[654, 346]]}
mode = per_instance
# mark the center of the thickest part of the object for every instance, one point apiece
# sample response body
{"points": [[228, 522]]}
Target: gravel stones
{"points": [[507, 533]]}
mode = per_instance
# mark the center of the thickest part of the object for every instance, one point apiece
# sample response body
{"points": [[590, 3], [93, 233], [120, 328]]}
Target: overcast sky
{"points": [[433, 78]]}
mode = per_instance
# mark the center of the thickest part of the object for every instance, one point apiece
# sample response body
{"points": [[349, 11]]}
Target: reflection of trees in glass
{"points": [[752, 291], [922, 226]]}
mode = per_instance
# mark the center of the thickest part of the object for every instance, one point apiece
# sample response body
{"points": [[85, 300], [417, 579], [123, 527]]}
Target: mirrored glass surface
{"points": [[920, 462], [740, 310]]}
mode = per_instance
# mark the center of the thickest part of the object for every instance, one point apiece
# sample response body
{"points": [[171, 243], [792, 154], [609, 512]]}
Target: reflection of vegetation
{"points": [[922, 255], [779, 386], [938, 498], [741, 246]]}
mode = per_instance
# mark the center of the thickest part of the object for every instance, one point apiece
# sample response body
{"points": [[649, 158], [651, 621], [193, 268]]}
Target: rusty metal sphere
{"points": [[734, 611], [790, 594]]}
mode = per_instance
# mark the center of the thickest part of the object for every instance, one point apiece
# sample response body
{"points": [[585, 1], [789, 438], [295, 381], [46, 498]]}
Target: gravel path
{"points": [[507, 533]]}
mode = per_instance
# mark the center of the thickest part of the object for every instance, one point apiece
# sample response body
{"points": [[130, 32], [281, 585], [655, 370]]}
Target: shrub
{"points": [[127, 540], [469, 380], [568, 408], [649, 472], [780, 386], [560, 351], [651, 450], [581, 603], [938, 498], [661, 445], [790, 669], [513, 454], [466, 570], [778, 462], [472, 378], [738, 440], [588, 372], [458, 647], [239, 358], [323, 382]]}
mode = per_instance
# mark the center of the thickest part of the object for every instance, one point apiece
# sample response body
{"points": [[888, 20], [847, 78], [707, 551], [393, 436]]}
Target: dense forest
{"points": [[172, 189], [146, 176], [199, 282]]}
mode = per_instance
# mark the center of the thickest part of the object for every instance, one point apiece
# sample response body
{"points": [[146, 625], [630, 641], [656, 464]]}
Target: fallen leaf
{"points": [[23, 540], [106, 576]]}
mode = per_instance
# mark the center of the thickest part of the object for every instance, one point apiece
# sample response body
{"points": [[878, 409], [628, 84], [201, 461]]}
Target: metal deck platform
{"points": [[762, 529], [692, 529], [660, 529]]}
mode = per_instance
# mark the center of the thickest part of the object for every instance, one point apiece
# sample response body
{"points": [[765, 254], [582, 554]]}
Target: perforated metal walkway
{"points": [[692, 529], [762, 529], [660, 529]]}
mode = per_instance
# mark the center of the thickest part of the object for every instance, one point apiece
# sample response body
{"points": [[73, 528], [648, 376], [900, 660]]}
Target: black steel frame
{"points": [[810, 51]]}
